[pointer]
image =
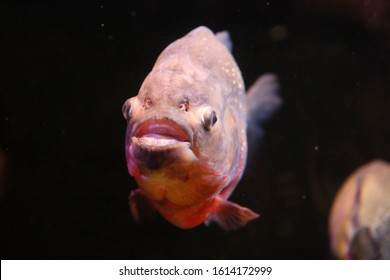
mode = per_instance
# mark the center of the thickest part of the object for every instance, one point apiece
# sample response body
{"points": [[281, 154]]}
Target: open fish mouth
{"points": [[159, 135]]}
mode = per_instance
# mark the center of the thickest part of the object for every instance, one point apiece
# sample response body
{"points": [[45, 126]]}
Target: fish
{"points": [[359, 220], [186, 142]]}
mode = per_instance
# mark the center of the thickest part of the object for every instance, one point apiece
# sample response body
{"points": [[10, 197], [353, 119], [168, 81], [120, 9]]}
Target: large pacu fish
{"points": [[186, 142], [359, 223]]}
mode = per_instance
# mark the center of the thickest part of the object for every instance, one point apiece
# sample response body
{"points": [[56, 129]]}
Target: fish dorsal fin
{"points": [[230, 216], [224, 38]]}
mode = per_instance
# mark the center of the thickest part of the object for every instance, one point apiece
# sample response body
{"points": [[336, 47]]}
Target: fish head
{"points": [[174, 131]]}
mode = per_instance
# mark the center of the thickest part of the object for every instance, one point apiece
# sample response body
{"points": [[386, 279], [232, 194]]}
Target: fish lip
{"points": [[162, 129]]}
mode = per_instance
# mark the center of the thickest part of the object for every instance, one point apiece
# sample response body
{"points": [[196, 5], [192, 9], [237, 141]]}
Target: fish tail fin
{"points": [[224, 38], [229, 215], [262, 101], [141, 210]]}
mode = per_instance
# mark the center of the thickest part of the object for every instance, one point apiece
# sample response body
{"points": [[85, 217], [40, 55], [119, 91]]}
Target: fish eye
{"points": [[126, 109], [209, 119], [184, 106]]}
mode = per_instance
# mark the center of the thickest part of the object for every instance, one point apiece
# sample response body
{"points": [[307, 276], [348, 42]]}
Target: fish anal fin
{"points": [[141, 210], [229, 215]]}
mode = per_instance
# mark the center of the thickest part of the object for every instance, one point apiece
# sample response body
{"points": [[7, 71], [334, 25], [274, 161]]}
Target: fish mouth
{"points": [[160, 134]]}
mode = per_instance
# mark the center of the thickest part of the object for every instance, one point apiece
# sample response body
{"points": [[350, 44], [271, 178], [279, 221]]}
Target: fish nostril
{"points": [[184, 106], [209, 119], [147, 103]]}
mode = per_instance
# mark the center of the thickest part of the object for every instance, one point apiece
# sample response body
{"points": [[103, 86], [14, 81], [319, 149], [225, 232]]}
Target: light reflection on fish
{"points": [[359, 224], [186, 142]]}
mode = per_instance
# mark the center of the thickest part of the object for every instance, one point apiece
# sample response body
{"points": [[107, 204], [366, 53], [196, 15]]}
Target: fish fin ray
{"points": [[224, 38], [263, 98], [141, 210], [230, 216], [262, 101]]}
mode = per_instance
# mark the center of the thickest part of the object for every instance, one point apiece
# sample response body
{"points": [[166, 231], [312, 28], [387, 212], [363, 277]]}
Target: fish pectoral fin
{"points": [[263, 98], [262, 101], [229, 215], [224, 38], [141, 210]]}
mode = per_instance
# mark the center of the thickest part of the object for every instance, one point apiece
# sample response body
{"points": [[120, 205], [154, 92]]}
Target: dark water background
{"points": [[67, 67]]}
